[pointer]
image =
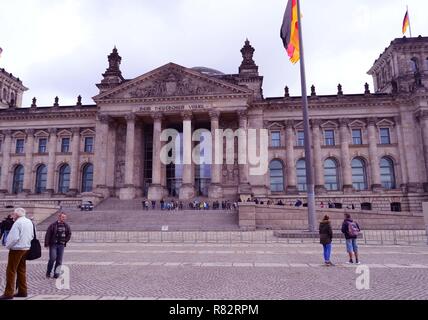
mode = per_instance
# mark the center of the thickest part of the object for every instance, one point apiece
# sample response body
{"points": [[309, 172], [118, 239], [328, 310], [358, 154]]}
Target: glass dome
{"points": [[208, 71]]}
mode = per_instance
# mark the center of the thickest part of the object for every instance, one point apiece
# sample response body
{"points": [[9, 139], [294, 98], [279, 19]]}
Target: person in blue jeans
{"points": [[56, 238], [351, 230], [326, 238]]}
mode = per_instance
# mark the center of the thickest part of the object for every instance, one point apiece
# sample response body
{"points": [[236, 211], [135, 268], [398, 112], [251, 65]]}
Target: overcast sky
{"points": [[60, 47]]}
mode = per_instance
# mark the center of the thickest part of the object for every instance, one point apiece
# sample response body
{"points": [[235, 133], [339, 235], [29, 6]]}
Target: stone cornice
{"points": [[72, 114]]}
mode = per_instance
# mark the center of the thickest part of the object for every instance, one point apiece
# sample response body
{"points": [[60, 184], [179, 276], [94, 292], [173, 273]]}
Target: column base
{"points": [[348, 189], [3, 193], [128, 192], [103, 190], [156, 192], [377, 188], [215, 191], [292, 190], [48, 192], [414, 187], [187, 192], [320, 190]]}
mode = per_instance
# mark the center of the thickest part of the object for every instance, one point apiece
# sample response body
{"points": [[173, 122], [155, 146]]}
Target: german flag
{"points": [[406, 22], [290, 31]]}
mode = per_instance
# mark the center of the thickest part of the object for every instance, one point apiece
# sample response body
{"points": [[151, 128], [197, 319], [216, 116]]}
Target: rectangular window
{"points": [[385, 137], [276, 139], [329, 137], [89, 144], [357, 137], [300, 138], [43, 145], [19, 146], [65, 145]]}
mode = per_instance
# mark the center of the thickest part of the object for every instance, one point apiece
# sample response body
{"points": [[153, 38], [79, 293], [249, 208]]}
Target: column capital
{"points": [[75, 130], [30, 132], [242, 114], [103, 118], [53, 131], [214, 115], [371, 121], [157, 116], [289, 123], [397, 120], [344, 122], [422, 115], [315, 123], [130, 117], [187, 115]]}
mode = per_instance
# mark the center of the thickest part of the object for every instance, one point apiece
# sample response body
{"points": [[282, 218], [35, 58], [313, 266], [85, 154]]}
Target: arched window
{"points": [[359, 174], [387, 173], [41, 178], [276, 171], [331, 175], [301, 175], [18, 180], [87, 177], [64, 179]]}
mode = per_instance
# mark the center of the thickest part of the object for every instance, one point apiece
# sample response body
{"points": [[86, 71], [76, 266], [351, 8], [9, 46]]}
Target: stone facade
{"points": [[370, 150]]}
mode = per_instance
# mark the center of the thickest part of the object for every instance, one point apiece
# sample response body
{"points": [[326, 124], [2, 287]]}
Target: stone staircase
{"points": [[128, 215]]}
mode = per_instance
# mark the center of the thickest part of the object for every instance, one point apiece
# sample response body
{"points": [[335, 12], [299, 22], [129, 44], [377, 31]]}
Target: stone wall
{"points": [[253, 216], [38, 212]]}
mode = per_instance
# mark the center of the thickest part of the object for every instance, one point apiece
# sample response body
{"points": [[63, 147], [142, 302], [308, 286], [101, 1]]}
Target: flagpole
{"points": [[410, 25], [308, 140]]}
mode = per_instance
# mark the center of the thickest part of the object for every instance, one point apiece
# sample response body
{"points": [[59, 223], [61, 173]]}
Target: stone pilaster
{"points": [[423, 118], [111, 156], [187, 190], [345, 155], [7, 144], [290, 161], [101, 143], [156, 190], [215, 190], [318, 165], [373, 154], [402, 158], [75, 156], [50, 183], [28, 167], [244, 186], [128, 192]]}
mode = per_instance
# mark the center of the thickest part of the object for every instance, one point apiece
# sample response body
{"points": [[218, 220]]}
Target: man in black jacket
{"points": [[56, 238]]}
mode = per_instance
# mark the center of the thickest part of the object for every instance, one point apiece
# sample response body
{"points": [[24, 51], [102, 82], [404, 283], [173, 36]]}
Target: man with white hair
{"points": [[18, 242]]}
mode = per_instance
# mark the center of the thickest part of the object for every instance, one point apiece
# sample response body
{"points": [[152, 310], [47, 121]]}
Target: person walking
{"points": [[351, 230], [56, 238], [18, 242], [326, 237], [6, 225]]}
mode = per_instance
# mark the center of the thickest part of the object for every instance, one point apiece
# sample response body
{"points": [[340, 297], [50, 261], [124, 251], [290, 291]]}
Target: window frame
{"points": [[300, 139], [300, 186], [18, 148], [331, 142], [85, 145], [364, 175], [282, 188], [45, 146], [68, 145], [354, 138], [328, 186], [382, 129]]}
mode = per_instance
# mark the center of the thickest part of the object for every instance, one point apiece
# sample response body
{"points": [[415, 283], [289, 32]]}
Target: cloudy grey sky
{"points": [[60, 47]]}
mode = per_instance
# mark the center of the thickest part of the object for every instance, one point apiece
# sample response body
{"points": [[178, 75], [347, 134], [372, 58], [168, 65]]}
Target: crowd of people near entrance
{"points": [[174, 205]]}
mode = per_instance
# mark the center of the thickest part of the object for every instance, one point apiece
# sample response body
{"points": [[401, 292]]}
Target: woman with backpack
{"points": [[351, 229], [326, 237]]}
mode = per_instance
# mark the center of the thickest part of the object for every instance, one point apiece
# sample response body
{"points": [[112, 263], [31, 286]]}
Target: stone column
{"points": [[128, 191], [7, 144], [290, 161], [100, 163], [402, 158], [28, 167], [111, 157], [423, 118], [373, 154], [244, 189], [318, 165], [187, 190], [345, 156], [75, 156], [156, 191], [215, 190], [50, 183]]}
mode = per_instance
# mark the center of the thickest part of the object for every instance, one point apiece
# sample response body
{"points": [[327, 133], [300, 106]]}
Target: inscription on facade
{"points": [[183, 107]]}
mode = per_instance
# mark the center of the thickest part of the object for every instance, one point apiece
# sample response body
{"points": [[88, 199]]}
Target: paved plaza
{"points": [[227, 271]]}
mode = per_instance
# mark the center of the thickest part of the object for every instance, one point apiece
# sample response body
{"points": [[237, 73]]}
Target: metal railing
{"points": [[369, 237]]}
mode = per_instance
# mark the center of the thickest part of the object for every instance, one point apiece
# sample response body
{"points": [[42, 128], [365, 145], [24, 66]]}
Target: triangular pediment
{"points": [[171, 81]]}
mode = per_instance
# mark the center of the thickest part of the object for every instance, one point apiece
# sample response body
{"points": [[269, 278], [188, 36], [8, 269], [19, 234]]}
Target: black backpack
{"points": [[35, 251]]}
